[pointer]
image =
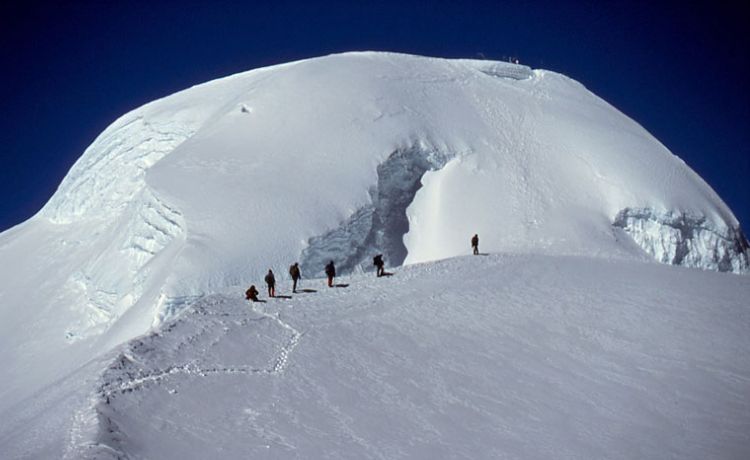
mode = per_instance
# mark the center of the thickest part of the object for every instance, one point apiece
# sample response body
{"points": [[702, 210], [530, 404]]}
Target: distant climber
{"points": [[378, 262], [271, 282], [295, 274], [252, 294], [475, 244], [330, 273]]}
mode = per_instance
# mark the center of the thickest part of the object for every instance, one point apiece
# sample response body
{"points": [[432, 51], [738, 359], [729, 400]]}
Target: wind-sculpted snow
{"points": [[685, 239], [500, 69]]}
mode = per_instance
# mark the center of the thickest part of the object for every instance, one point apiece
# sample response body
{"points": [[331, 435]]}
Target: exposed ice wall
{"points": [[112, 170], [380, 226], [117, 275], [687, 239], [107, 189]]}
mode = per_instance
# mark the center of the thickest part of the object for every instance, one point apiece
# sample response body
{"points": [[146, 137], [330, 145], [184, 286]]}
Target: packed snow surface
{"points": [[505, 356], [335, 158]]}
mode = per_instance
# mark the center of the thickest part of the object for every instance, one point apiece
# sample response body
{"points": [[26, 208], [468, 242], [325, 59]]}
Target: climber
{"points": [[378, 262], [475, 244], [252, 294], [296, 275], [330, 273], [271, 282]]}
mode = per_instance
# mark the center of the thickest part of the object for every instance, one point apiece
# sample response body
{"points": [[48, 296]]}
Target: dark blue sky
{"points": [[69, 70]]}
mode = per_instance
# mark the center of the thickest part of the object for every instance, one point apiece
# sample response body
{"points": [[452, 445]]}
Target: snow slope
{"points": [[506, 356], [338, 157]]}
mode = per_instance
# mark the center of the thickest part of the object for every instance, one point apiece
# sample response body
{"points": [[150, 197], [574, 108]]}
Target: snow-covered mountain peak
{"points": [[337, 158], [348, 155]]}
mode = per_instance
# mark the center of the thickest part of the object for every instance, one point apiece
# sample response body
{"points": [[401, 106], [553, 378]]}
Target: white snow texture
{"points": [[566, 342]]}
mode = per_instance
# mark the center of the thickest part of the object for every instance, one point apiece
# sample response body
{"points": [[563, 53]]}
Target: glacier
{"points": [[335, 158]]}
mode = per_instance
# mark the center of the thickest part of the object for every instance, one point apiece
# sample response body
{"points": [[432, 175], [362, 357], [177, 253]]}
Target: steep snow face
{"points": [[338, 158]]}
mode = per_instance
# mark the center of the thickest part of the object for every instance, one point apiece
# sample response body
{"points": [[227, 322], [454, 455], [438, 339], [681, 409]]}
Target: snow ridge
{"points": [[402, 367]]}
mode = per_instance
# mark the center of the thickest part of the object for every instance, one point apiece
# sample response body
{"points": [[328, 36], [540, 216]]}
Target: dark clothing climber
{"points": [[252, 294], [475, 244], [330, 273], [271, 282], [378, 262], [295, 274]]}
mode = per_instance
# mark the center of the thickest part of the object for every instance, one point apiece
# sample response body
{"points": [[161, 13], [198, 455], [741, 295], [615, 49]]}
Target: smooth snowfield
{"points": [[505, 356]]}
